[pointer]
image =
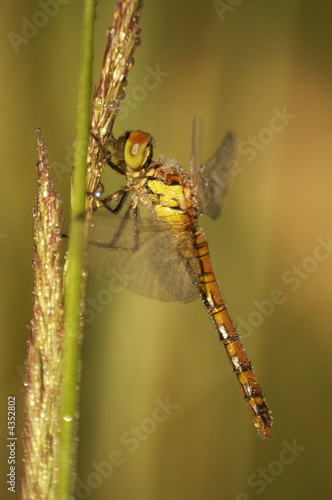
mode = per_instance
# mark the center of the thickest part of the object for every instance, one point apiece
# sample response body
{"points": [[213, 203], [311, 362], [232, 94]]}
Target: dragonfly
{"points": [[154, 237]]}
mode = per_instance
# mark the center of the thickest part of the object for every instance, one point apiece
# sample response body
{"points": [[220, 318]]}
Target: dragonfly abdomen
{"points": [[237, 356]]}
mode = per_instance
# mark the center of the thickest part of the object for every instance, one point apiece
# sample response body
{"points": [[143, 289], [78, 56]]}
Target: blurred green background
{"points": [[235, 64]]}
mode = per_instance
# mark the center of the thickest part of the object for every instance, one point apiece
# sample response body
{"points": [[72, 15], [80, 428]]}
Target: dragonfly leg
{"points": [[106, 154], [122, 194]]}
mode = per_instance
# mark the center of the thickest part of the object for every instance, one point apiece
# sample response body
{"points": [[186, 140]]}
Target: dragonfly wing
{"points": [[144, 256], [213, 178], [195, 166]]}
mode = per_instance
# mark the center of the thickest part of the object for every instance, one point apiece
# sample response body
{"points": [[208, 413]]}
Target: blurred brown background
{"points": [[264, 69]]}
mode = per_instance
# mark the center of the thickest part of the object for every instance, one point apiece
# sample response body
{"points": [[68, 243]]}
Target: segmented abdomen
{"points": [[241, 365]]}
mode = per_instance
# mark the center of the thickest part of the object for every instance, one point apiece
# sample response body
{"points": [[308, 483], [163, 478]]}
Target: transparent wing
{"points": [[195, 166], [145, 255], [212, 179]]}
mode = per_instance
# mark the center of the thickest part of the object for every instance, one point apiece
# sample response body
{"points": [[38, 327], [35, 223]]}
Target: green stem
{"points": [[74, 276]]}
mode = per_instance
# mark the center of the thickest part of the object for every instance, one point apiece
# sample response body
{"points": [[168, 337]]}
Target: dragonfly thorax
{"points": [[169, 191]]}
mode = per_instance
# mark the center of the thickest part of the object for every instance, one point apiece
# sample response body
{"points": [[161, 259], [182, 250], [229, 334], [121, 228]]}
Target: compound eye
{"points": [[137, 149]]}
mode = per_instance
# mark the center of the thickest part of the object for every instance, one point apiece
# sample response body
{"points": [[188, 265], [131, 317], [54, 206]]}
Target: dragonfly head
{"points": [[133, 150]]}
